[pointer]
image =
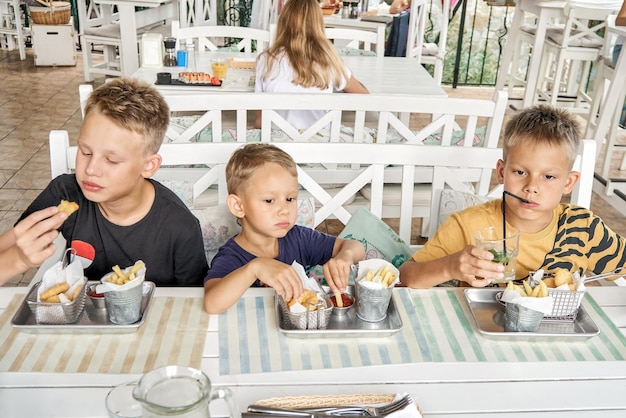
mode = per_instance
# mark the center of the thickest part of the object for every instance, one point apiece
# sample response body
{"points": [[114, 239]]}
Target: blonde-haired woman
{"points": [[302, 60]]}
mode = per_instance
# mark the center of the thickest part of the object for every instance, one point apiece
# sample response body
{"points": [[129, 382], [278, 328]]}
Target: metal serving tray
{"points": [[90, 321], [347, 325], [488, 315]]}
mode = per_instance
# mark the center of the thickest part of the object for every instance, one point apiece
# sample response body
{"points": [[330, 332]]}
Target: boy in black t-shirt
{"points": [[123, 215]]}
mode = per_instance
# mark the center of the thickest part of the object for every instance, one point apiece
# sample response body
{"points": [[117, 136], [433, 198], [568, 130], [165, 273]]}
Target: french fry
{"points": [[119, 272], [535, 292], [544, 289], [338, 299], [54, 291], [369, 276], [136, 267], [388, 278], [53, 299], [527, 289]]}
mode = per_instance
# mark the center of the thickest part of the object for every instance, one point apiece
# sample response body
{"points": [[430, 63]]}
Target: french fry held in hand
{"points": [[539, 291], [119, 277]]}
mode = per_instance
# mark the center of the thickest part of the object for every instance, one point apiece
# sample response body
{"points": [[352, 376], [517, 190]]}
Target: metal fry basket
{"points": [[57, 313], [317, 319], [566, 304]]}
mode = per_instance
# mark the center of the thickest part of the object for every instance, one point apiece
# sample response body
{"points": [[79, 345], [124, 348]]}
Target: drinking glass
{"points": [[504, 249]]}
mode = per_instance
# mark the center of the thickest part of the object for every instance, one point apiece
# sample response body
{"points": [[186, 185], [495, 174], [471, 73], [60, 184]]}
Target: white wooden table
{"points": [[388, 75], [336, 21], [443, 389], [545, 12], [128, 30]]}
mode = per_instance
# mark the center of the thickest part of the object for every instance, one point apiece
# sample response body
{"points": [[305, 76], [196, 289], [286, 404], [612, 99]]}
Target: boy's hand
{"points": [[280, 276], [472, 264], [337, 273], [34, 235]]}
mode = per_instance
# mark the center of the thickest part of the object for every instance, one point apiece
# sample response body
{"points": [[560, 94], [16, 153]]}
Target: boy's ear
{"points": [[151, 165], [235, 205], [500, 171], [572, 179]]}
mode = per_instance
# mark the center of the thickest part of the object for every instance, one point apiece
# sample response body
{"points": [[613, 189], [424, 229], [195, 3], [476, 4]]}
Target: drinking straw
{"points": [[504, 193], [504, 222]]}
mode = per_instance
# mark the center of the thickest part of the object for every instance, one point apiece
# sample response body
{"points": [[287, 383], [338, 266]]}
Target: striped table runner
{"points": [[437, 328], [174, 333]]}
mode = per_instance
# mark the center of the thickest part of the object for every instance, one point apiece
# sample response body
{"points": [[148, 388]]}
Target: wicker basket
{"points": [[52, 12]]}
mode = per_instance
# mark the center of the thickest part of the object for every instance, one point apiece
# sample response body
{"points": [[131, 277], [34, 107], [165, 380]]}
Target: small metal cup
{"points": [[518, 318]]}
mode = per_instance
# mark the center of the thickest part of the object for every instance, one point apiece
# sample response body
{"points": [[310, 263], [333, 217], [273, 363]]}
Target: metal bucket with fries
{"points": [[374, 288], [123, 293]]}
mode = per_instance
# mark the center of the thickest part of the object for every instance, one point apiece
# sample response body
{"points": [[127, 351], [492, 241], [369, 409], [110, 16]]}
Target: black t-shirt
{"points": [[168, 239]]}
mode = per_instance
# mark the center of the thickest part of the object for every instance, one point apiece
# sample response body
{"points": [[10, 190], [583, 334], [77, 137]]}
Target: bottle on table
{"points": [[191, 56]]}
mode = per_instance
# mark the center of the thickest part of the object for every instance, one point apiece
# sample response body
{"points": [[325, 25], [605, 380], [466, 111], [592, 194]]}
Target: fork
{"points": [[339, 410], [384, 410]]}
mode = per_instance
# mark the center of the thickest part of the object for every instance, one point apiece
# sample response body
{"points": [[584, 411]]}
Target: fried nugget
{"points": [[308, 297], [67, 207], [562, 277]]}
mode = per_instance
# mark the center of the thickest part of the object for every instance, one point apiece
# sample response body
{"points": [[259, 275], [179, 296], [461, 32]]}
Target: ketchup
{"points": [[347, 300]]}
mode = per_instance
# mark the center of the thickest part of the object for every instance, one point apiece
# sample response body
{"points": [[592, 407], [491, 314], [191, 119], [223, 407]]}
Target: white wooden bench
{"points": [[379, 165]]}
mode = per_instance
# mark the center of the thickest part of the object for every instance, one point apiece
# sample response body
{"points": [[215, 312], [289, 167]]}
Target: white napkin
{"points": [[72, 274], [107, 286], [538, 304]]}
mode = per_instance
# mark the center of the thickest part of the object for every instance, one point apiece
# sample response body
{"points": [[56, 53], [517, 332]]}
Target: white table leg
{"points": [[532, 76], [511, 44], [607, 109], [129, 56]]}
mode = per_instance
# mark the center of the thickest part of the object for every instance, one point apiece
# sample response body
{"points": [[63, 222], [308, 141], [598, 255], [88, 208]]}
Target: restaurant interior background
{"points": [[36, 99]]}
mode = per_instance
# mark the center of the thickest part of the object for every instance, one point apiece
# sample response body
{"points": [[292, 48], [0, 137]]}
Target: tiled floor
{"points": [[35, 100]]}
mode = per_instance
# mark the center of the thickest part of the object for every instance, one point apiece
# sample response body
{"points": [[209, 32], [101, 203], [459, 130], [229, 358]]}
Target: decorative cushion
{"points": [[182, 188], [379, 240], [218, 225], [453, 201]]}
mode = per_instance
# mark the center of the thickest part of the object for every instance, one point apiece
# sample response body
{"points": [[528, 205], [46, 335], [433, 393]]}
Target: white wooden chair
{"points": [[604, 77], [264, 14], [357, 39], [197, 13], [569, 52], [211, 37], [417, 22], [12, 29], [434, 54]]}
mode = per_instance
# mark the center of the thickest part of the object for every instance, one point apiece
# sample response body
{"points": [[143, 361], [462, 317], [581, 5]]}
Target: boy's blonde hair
{"points": [[247, 159], [135, 106], [301, 36], [543, 124]]}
